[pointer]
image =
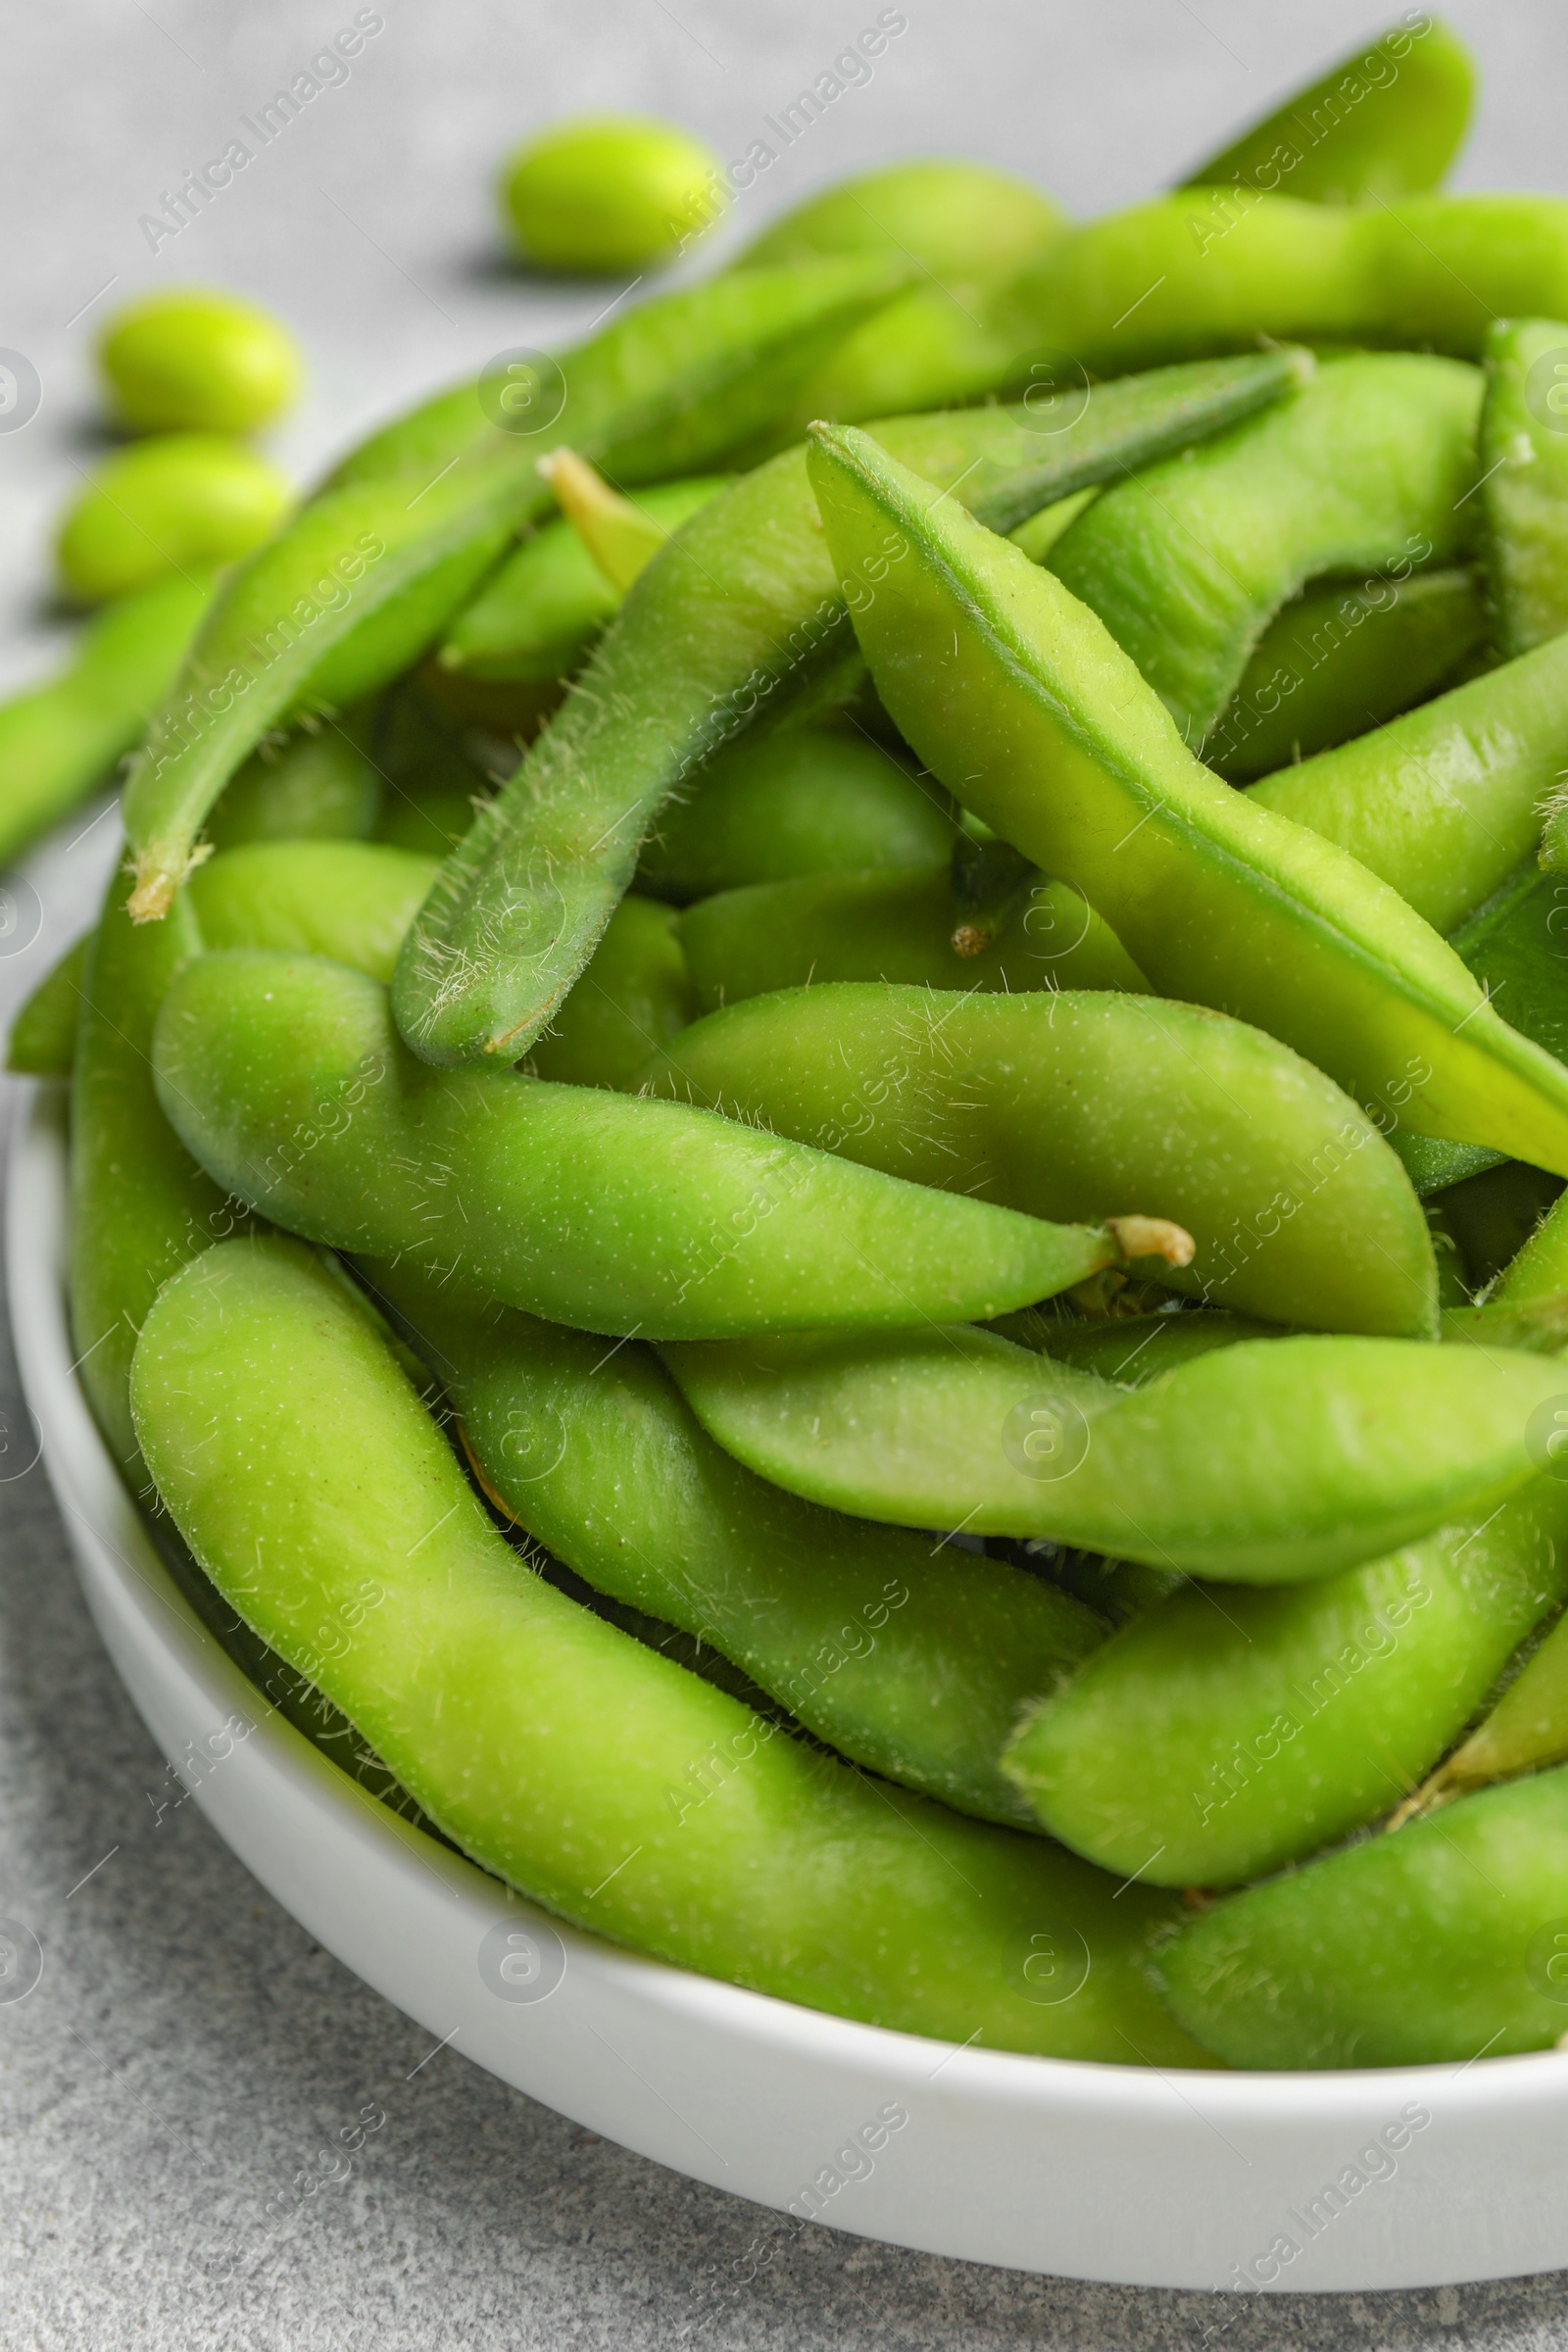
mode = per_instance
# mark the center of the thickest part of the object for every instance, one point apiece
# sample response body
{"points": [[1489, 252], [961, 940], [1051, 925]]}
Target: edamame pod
{"points": [[1281, 1721], [1067, 1105], [350, 899], [1365, 467], [320, 785], [1442, 803], [667, 388], [1134, 1350], [43, 1036], [1007, 686], [632, 998], [286, 1077], [1385, 122], [1214, 269], [539, 615], [970, 230], [1276, 1461], [1516, 946], [59, 740], [1441, 1941], [897, 927], [786, 801], [140, 1206], [915, 1663], [625, 1794], [1526, 1728], [377, 562], [740, 613], [1340, 659], [1524, 462]]}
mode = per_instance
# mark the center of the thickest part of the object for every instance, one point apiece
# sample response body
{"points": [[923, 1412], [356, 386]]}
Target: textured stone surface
{"points": [[188, 2047]]}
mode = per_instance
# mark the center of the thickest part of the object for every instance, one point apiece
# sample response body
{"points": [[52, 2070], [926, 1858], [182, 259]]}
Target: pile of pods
{"points": [[814, 1175]]}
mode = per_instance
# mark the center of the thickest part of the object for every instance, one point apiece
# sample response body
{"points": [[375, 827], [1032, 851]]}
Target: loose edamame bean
{"points": [[1005, 683], [177, 504], [317, 1493], [1524, 459], [320, 785], [782, 802], [195, 361], [1439, 1942], [1384, 122], [375, 567], [913, 1662], [286, 1077], [59, 740], [632, 998], [608, 192], [1442, 803], [706, 640], [898, 927], [1272, 1462], [1341, 660], [1070, 1104], [1281, 1721], [538, 617], [1367, 465]]}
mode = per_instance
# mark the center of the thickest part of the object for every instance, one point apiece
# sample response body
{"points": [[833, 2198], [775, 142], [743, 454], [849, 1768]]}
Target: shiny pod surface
{"points": [[1086, 1104], [609, 1783], [286, 1077], [1272, 1462]]}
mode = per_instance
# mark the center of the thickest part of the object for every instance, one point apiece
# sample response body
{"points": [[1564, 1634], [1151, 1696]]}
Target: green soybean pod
{"points": [[59, 740], [1005, 683], [179, 503], [43, 1035], [139, 1205], [1527, 1729], [1384, 122], [1281, 1721], [349, 900], [375, 564], [708, 638], [631, 999], [598, 1778], [1441, 1941], [1367, 465], [1214, 269], [1517, 943], [1524, 459], [285, 1076], [1132, 1349], [197, 361], [1272, 1462], [1340, 659], [970, 228], [911, 1661], [783, 802], [893, 927], [608, 192], [1442, 803], [322, 784], [1073, 1104], [538, 617]]}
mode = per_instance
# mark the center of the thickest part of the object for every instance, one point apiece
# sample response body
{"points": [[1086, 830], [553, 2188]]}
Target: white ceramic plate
{"points": [[1232, 2182]]}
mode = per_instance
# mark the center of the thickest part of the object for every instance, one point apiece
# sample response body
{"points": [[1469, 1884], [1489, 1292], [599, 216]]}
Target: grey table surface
{"points": [[188, 2043]]}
